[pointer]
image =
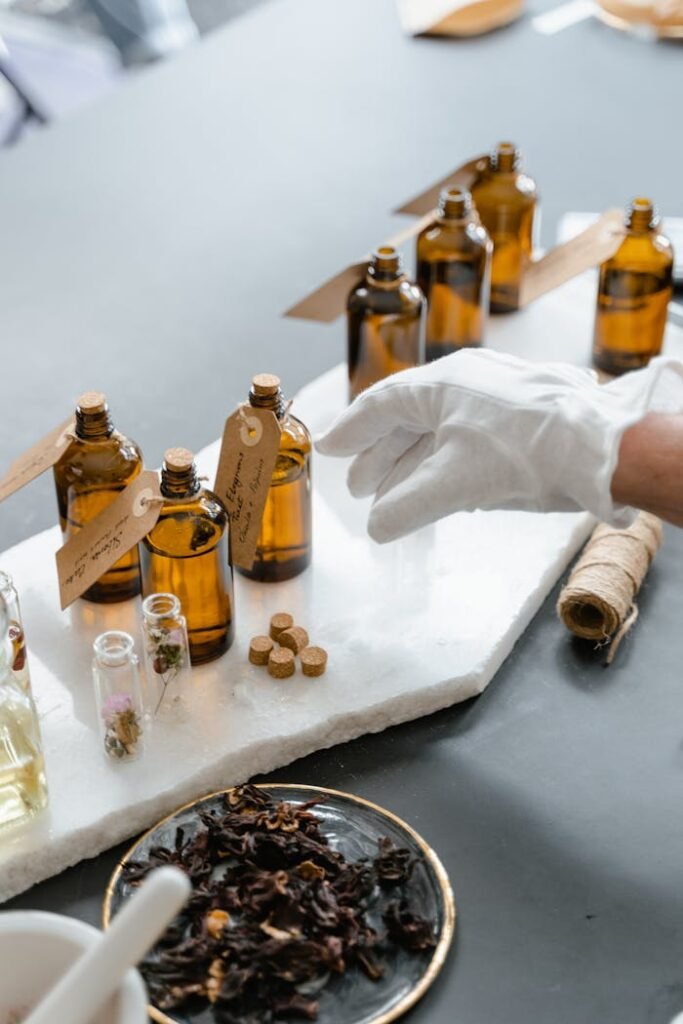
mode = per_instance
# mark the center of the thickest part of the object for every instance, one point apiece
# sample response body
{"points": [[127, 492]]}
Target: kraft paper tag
{"points": [[104, 540], [37, 459], [593, 246], [328, 301], [465, 175], [251, 441], [456, 17]]}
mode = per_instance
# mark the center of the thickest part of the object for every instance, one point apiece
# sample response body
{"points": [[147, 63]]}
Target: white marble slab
{"points": [[410, 628]]}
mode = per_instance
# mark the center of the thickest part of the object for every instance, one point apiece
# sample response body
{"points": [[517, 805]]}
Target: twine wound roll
{"points": [[598, 600]]}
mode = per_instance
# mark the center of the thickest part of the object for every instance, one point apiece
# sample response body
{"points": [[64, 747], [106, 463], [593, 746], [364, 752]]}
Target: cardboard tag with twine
{"points": [[95, 548], [251, 441], [40, 457]]}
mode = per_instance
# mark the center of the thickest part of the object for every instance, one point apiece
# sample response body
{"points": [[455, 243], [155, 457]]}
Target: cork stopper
{"points": [[265, 384], [92, 401], [281, 664], [295, 638], [279, 623], [179, 460]]}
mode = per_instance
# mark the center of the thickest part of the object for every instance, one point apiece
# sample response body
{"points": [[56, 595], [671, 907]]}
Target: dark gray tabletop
{"points": [[149, 246]]}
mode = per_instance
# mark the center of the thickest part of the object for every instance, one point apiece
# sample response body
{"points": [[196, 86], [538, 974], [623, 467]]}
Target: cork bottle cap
{"points": [[279, 623], [265, 384], [260, 648], [178, 459], [92, 401], [313, 661], [281, 664], [295, 638]]}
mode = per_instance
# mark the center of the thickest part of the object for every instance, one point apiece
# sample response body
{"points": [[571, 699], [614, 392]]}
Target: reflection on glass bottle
{"points": [[116, 676], [96, 466], [506, 200], [19, 663], [453, 271], [23, 786], [385, 322], [283, 548], [633, 294], [187, 554]]}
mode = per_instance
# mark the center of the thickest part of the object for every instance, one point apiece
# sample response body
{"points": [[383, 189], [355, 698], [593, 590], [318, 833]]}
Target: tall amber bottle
{"points": [[633, 294], [187, 553], [97, 465], [385, 322], [506, 200], [453, 271], [283, 549]]}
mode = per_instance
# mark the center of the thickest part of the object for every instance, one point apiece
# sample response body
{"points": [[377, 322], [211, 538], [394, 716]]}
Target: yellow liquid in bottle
{"points": [[23, 787]]}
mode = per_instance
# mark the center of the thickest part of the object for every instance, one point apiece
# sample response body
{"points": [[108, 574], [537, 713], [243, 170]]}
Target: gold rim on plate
{"points": [[449, 910]]}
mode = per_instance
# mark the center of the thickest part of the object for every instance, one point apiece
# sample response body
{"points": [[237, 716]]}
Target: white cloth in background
{"points": [[483, 430]]}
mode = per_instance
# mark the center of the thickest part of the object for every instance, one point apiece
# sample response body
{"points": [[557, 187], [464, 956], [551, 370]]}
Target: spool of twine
{"points": [[598, 600]]}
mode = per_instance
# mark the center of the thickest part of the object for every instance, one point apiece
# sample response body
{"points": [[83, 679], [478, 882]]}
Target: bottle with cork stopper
{"points": [[283, 548], [187, 554], [385, 316], [634, 289], [506, 200], [453, 271], [98, 463]]}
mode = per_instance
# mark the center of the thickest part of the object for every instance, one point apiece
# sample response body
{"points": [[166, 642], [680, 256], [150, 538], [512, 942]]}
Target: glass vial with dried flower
{"points": [[385, 316], [19, 662], [634, 289], [186, 553], [117, 692], [167, 655], [23, 785], [506, 200], [96, 466], [453, 271], [284, 544]]}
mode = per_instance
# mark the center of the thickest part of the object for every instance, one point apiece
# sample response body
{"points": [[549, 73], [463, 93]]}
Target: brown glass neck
{"points": [[275, 402], [641, 216], [505, 159], [179, 483], [93, 426]]}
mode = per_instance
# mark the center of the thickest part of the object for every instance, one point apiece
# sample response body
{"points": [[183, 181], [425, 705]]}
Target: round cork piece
{"points": [[259, 649], [295, 638], [265, 384], [92, 401], [281, 663], [279, 623], [313, 661], [178, 459]]}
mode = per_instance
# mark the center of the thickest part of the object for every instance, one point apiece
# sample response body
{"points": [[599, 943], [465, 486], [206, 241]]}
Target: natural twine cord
{"points": [[598, 600]]}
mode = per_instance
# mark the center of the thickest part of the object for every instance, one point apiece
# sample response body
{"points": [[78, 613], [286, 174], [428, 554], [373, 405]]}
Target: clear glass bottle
{"points": [[116, 676], [634, 289], [283, 548], [23, 785], [167, 655], [19, 664], [454, 271], [385, 322], [506, 201], [96, 466], [187, 554]]}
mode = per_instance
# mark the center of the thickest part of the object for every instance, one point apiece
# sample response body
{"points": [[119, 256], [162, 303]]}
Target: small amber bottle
{"points": [[97, 465], [385, 322], [187, 553], [453, 271], [633, 294], [506, 200], [283, 548]]}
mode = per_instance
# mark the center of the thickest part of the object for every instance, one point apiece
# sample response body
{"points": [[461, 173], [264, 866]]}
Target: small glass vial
{"points": [[453, 271], [96, 466], [283, 548], [186, 553], [167, 654], [117, 691], [634, 289], [23, 785], [19, 662], [385, 322], [506, 200]]}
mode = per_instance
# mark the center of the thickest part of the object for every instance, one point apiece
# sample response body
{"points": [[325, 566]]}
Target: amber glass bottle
{"points": [[506, 201], [283, 549], [96, 466], [385, 322], [187, 553], [633, 294], [453, 271]]}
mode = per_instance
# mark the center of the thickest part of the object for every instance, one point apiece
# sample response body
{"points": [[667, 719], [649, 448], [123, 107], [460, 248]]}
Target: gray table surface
{"points": [[149, 246]]}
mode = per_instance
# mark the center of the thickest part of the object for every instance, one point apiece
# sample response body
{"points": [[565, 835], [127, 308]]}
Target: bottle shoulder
{"points": [[115, 456], [648, 250], [295, 433], [456, 236], [514, 188], [406, 297], [189, 526]]}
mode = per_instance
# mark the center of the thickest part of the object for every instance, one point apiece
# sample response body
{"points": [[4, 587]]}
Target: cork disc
{"points": [[259, 649], [265, 384], [295, 638], [178, 459], [279, 623], [92, 401], [281, 663], [313, 661]]}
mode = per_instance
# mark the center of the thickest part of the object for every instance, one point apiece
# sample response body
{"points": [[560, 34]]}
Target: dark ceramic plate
{"points": [[352, 826]]}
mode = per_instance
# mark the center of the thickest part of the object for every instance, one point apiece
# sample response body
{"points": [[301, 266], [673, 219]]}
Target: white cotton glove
{"points": [[482, 430]]}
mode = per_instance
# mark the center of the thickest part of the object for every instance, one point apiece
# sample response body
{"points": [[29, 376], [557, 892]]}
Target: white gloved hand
{"points": [[482, 430]]}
